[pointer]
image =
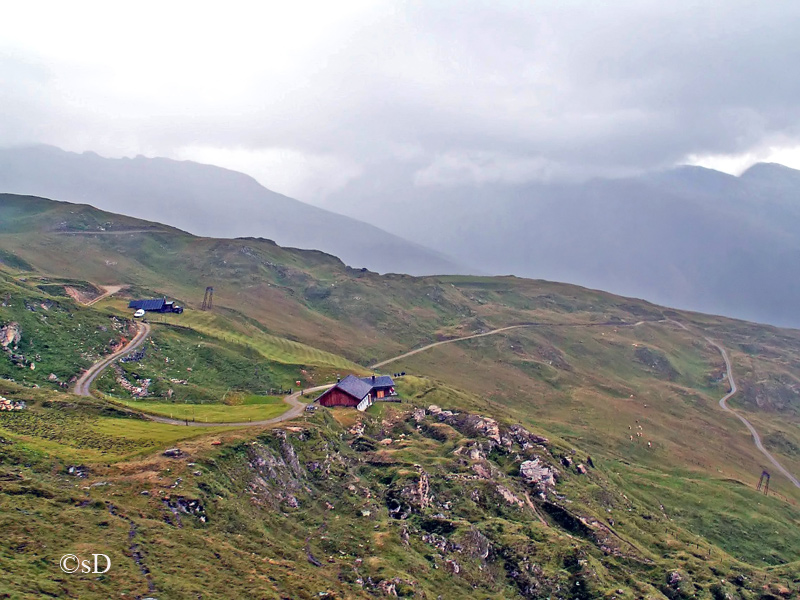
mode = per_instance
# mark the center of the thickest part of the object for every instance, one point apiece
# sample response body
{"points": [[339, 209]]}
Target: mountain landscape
{"points": [[376, 300], [689, 237], [208, 200], [550, 441]]}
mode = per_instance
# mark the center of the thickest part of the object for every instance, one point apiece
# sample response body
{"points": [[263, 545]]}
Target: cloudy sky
{"points": [[306, 96]]}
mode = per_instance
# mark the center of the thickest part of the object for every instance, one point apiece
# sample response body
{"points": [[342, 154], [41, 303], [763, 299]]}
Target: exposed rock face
{"points": [[525, 438], [482, 471], [10, 335], [412, 497], [488, 428], [452, 566], [288, 453], [657, 361], [477, 544], [275, 478], [187, 506], [536, 473], [508, 496]]}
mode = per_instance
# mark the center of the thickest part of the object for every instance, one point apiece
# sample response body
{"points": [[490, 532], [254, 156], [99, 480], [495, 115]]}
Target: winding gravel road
{"points": [[501, 330], [723, 403], [84, 383]]}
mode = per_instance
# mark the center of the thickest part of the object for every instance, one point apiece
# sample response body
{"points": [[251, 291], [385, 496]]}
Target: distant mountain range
{"points": [[210, 201], [688, 237]]}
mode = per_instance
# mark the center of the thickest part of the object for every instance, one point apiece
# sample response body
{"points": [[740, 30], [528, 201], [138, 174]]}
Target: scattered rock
{"points": [[80, 471], [173, 452], [452, 566], [10, 335], [536, 473]]}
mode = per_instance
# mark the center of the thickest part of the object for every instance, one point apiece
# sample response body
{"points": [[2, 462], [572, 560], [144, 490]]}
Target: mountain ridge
{"points": [[689, 237], [211, 201]]}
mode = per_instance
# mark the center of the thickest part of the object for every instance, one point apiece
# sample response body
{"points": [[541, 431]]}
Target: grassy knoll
{"points": [[81, 430], [219, 413], [188, 366], [244, 332]]}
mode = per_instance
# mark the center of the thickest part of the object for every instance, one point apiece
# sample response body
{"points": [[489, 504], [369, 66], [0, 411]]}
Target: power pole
{"points": [[764, 480], [208, 299]]}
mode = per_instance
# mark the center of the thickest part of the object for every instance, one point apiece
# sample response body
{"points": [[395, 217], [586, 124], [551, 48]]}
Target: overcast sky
{"points": [[308, 95]]}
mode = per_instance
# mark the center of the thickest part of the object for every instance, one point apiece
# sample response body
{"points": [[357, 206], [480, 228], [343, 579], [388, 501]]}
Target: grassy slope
{"points": [[572, 383]]}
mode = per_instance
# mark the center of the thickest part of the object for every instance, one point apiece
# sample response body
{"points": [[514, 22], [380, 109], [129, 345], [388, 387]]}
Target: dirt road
{"points": [[723, 403], [429, 346], [120, 232], [501, 330], [84, 383], [108, 290]]}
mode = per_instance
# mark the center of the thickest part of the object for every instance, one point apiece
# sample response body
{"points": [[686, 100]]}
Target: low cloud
{"points": [[307, 97]]}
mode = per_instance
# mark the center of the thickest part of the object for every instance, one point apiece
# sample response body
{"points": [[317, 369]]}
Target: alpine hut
{"points": [[358, 393]]}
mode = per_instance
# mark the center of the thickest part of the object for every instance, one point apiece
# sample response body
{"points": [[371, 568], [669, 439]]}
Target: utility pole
{"points": [[208, 299]]}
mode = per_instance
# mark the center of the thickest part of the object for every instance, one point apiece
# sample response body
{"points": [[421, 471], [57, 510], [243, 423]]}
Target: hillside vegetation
{"points": [[579, 455]]}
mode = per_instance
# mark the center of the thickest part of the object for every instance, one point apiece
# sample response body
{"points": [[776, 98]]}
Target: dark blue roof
{"points": [[380, 381], [354, 386], [155, 304]]}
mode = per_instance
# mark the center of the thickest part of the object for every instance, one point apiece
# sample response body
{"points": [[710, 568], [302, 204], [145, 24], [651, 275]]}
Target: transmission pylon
{"points": [[208, 299], [764, 480]]}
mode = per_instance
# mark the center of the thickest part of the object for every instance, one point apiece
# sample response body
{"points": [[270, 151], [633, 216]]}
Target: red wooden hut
{"points": [[358, 393], [350, 391]]}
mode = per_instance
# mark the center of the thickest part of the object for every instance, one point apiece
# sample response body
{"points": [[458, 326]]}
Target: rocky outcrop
{"points": [[508, 496], [537, 474], [413, 496], [275, 478], [10, 335]]}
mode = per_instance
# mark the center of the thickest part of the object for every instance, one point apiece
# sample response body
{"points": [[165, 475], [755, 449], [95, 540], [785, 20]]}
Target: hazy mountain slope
{"points": [[400, 499], [208, 200], [689, 237]]}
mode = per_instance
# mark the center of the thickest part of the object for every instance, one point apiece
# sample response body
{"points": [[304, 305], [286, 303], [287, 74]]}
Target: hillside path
{"points": [[296, 407], [84, 383], [429, 346], [501, 330], [120, 232], [723, 403], [108, 290]]}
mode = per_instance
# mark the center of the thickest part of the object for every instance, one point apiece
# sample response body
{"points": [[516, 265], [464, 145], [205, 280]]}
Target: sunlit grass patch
{"points": [[210, 413]]}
